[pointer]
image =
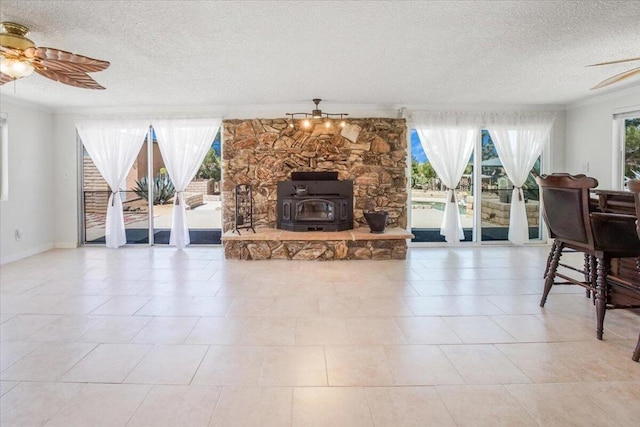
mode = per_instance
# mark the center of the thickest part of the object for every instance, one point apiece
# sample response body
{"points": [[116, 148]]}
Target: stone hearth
{"points": [[357, 244]]}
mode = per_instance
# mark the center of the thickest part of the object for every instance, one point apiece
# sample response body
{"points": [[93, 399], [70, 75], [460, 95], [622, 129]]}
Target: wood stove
{"points": [[315, 201]]}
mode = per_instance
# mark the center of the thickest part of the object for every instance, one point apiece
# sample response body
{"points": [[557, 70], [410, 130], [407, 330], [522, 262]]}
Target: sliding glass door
{"points": [[495, 196], [484, 196], [429, 195], [147, 200], [95, 195]]}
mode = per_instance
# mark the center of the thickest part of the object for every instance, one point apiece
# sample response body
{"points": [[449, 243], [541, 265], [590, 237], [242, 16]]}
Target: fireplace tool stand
{"points": [[244, 208]]}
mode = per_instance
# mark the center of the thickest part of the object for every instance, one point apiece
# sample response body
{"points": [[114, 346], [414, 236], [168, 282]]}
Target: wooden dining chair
{"points": [[615, 237], [574, 223], [565, 209], [589, 261]]}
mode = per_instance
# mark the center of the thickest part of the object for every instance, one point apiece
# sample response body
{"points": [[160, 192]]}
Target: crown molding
{"points": [[233, 111], [271, 111], [22, 103], [595, 99], [484, 107]]}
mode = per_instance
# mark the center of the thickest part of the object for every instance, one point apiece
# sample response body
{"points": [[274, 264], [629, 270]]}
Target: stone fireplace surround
{"points": [[262, 152]]}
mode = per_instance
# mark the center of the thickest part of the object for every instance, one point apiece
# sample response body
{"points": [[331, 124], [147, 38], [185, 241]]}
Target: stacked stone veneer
{"points": [[326, 250], [262, 152]]}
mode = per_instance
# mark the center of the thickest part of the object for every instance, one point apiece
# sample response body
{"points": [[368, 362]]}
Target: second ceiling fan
{"points": [[618, 77]]}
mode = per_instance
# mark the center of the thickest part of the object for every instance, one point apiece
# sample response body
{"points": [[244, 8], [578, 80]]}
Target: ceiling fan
{"points": [[19, 57], [625, 75]]}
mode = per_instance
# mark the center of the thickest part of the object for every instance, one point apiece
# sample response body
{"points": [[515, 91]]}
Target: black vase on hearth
{"points": [[377, 221]]}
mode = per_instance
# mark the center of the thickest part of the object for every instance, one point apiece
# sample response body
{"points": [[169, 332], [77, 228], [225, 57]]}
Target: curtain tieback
{"points": [[453, 194], [177, 199], [519, 192], [113, 197]]}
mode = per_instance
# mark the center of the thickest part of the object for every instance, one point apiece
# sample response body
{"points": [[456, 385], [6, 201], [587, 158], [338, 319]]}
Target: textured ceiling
{"points": [[236, 53]]}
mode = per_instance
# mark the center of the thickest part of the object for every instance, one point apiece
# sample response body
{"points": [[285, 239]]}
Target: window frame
{"points": [[619, 144], [4, 157]]}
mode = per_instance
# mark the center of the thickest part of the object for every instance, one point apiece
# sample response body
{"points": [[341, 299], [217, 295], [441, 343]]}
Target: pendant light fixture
{"points": [[317, 114]]}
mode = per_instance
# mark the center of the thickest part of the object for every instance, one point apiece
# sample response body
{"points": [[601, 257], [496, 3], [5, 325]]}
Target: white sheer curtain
{"points": [[183, 143], [448, 140], [519, 139], [113, 146]]}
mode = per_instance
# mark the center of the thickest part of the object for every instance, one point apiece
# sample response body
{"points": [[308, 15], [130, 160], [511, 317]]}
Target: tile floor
{"points": [[452, 336]]}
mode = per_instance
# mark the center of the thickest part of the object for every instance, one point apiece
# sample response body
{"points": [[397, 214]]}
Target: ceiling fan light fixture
{"points": [[317, 114], [15, 68]]}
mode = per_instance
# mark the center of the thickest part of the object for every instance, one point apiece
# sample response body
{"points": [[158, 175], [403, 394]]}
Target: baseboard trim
{"points": [[26, 253]]}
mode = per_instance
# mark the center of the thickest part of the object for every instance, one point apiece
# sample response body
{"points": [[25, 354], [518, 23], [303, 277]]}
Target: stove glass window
{"points": [[315, 210]]}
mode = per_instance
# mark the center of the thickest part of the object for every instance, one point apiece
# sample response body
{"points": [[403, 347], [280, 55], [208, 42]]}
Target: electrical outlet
{"points": [[585, 167], [18, 234]]}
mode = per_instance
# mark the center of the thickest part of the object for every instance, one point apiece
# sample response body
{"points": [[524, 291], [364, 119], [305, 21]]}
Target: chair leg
{"points": [[636, 352], [601, 295], [587, 274], [546, 269], [593, 276], [551, 273]]}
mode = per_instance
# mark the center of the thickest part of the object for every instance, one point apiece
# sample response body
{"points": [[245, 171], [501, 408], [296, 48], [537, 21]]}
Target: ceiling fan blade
{"points": [[615, 62], [5, 78], [68, 67], [617, 78], [61, 60], [76, 78]]}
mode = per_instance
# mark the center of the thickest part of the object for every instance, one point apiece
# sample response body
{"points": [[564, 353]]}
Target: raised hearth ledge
{"points": [[356, 244], [361, 233]]}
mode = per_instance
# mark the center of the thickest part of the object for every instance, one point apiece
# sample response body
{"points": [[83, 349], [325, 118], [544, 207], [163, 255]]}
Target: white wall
{"points": [[589, 134], [30, 207], [65, 175], [554, 159]]}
